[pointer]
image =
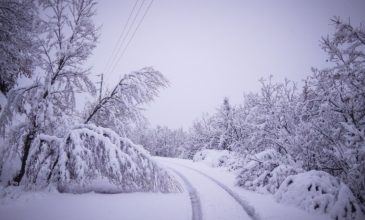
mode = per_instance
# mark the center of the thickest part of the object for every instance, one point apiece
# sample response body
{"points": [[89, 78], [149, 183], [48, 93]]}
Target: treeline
{"points": [[319, 126], [162, 141]]}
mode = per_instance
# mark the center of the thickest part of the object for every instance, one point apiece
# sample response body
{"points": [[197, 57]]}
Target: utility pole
{"points": [[101, 84]]}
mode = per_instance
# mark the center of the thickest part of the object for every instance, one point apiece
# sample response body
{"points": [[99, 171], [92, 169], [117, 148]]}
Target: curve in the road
{"points": [[246, 207], [194, 198]]}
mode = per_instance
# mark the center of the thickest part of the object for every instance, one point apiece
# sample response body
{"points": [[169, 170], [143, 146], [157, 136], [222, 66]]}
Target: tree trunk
{"points": [[26, 147]]}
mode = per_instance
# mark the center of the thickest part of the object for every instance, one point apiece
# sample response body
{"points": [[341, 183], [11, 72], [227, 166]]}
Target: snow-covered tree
{"points": [[224, 122], [18, 44], [91, 158], [162, 141], [122, 106], [168, 142], [203, 134], [322, 127], [273, 116], [220, 130], [335, 107], [46, 146], [265, 171], [68, 36]]}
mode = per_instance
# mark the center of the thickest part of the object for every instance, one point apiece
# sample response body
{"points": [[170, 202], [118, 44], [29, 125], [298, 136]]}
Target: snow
{"points": [[217, 158], [266, 170], [94, 206], [319, 192], [215, 202], [92, 158], [265, 205], [194, 197]]}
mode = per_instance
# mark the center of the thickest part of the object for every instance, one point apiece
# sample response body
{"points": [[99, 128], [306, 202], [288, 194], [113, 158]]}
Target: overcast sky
{"points": [[211, 49]]}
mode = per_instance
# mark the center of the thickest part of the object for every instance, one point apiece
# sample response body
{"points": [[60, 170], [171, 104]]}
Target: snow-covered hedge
{"points": [[92, 158], [265, 171], [218, 158], [319, 192]]}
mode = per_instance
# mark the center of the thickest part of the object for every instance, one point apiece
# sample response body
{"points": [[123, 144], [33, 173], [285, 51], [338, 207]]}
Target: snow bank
{"points": [[96, 159], [265, 171], [319, 192], [217, 158]]}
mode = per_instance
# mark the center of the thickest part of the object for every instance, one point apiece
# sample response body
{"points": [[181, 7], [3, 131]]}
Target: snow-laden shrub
{"points": [[93, 158], [319, 192], [43, 161], [217, 158], [265, 171]]}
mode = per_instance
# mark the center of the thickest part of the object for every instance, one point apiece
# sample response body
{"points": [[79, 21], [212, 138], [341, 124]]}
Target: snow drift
{"points": [[319, 192], [96, 159], [265, 171]]}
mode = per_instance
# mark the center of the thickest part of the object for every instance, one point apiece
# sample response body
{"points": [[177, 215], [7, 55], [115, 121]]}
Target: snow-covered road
{"points": [[216, 201], [221, 199]]}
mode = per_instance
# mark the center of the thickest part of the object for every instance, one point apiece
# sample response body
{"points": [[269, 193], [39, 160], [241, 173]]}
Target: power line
{"points": [[120, 36], [123, 36], [134, 33], [127, 33]]}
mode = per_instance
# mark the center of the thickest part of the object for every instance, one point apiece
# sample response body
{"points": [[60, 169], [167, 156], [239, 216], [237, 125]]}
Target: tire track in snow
{"points": [[194, 198], [246, 207]]}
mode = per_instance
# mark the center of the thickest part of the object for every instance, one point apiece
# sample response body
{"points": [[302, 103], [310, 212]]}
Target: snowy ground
{"points": [[92, 206], [210, 200], [265, 206]]}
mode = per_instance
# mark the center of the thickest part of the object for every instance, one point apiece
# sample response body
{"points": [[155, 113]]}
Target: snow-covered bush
{"points": [[218, 158], [319, 192], [93, 158], [265, 171], [43, 159]]}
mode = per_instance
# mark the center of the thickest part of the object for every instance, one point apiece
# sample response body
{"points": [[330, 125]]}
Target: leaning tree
{"points": [[68, 36]]}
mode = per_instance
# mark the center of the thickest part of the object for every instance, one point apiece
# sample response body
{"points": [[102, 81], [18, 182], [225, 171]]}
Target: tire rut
{"points": [[197, 213], [245, 206]]}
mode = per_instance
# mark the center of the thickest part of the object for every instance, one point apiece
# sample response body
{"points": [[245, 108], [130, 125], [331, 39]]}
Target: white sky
{"points": [[211, 49]]}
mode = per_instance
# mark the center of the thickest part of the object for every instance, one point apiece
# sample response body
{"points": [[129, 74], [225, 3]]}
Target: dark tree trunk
{"points": [[27, 143], [52, 169]]}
